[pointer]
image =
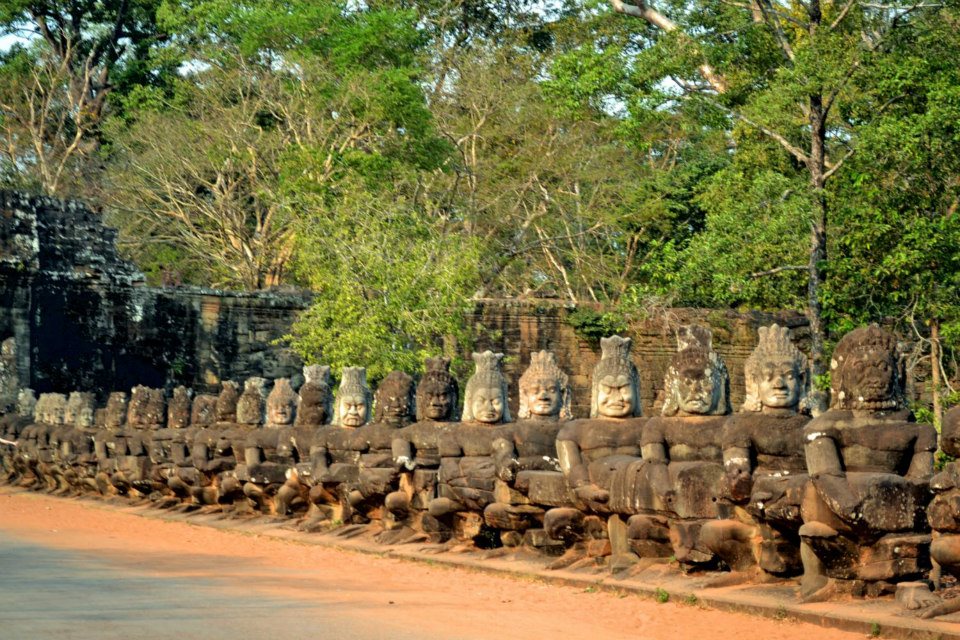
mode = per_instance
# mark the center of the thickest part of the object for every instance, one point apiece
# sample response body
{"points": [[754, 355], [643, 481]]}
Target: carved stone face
{"points": [[396, 407], [353, 411], [869, 376], [616, 397], [696, 392], [439, 404], [279, 413], [58, 412], [314, 404], [543, 396], [779, 385], [487, 405], [85, 417]]}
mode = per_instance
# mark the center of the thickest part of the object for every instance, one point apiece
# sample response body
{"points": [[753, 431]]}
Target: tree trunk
{"points": [[816, 166], [935, 381]]}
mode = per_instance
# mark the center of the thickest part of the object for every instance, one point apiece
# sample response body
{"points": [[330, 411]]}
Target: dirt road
{"points": [[74, 569]]}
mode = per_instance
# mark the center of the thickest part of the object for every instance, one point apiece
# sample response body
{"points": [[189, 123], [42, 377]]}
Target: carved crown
{"points": [[317, 373]]}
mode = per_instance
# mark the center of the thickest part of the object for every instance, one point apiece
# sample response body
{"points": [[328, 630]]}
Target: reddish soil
{"points": [[433, 601]]}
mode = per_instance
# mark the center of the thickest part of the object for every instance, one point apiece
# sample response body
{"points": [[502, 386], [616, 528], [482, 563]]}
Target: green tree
{"points": [[285, 99], [898, 229], [794, 72], [58, 86], [392, 280]]}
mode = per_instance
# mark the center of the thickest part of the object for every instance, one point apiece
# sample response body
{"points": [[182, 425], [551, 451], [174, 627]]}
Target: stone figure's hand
{"points": [[404, 462], [507, 470], [739, 484]]}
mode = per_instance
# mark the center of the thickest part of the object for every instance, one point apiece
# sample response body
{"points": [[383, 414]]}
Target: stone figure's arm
{"points": [[738, 472], [251, 454], [571, 463], [505, 458], [577, 474], [826, 471], [318, 457], [179, 454], [921, 464], [88, 452], [100, 449], [200, 454], [654, 452], [403, 454]]}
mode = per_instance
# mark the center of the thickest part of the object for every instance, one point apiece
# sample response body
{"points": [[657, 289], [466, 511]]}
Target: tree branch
{"points": [[661, 21], [770, 272], [843, 14], [796, 152]]}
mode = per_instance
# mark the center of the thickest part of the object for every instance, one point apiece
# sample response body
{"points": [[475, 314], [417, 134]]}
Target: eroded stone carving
{"points": [[765, 472], [467, 469], [116, 414], [26, 402], [870, 466], [377, 472], [530, 445], [943, 514], [613, 428], [592, 453], [179, 408], [80, 409], [674, 490], [281, 404], [416, 449], [252, 402], [352, 407], [396, 400], [227, 401], [147, 408], [316, 401]]}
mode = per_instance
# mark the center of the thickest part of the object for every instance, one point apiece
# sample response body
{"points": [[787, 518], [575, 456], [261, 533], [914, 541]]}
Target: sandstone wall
{"points": [[83, 318]]}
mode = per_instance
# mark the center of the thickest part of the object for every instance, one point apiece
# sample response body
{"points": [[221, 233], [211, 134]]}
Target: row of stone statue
{"points": [[847, 500]]}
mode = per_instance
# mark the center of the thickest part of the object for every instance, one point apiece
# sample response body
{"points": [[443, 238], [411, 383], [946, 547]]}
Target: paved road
{"points": [[47, 593]]}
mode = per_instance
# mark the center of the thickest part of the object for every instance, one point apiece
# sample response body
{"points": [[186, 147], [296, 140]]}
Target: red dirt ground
{"points": [[435, 601]]}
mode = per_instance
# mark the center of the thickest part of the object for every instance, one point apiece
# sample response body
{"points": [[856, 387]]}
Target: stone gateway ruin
{"points": [[738, 483]]}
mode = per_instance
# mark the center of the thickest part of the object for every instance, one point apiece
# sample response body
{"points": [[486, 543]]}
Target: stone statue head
{"points": [[179, 408], [485, 397], [867, 371], [40, 409], [204, 410], [352, 407], [315, 406], [395, 399], [116, 414], [438, 392], [54, 408], [80, 409], [148, 407], [544, 389], [8, 350], [281, 404], [697, 382], [776, 373], [26, 403], [252, 402], [615, 391], [227, 401]]}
